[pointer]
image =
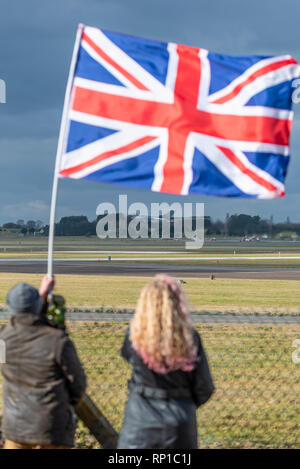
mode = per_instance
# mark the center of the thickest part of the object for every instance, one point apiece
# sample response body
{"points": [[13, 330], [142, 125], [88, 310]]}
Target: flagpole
{"points": [[61, 146]]}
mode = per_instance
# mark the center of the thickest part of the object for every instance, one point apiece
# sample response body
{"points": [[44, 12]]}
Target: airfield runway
{"points": [[203, 318], [88, 267]]}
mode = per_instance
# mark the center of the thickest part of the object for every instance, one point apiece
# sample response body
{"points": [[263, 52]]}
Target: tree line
{"points": [[233, 225]]}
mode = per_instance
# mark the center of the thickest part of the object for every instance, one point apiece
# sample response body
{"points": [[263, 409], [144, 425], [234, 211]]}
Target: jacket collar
{"points": [[25, 319]]}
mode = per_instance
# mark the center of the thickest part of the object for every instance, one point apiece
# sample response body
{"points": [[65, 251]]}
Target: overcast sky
{"points": [[36, 41]]}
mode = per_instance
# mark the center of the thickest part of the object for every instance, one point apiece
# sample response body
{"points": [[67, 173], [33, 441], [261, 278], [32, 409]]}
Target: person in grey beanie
{"points": [[42, 376], [24, 298]]}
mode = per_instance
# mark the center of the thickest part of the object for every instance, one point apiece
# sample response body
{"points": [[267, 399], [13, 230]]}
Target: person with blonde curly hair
{"points": [[170, 374]]}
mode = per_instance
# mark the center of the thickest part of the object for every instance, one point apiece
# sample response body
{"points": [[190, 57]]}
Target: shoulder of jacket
{"points": [[6, 330], [58, 335], [197, 338], [61, 341], [3, 329]]}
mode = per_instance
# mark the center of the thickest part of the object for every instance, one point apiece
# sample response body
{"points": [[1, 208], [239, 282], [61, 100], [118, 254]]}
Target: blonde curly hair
{"points": [[161, 331]]}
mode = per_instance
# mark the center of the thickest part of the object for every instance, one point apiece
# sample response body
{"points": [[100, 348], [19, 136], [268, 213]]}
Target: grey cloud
{"points": [[36, 41]]}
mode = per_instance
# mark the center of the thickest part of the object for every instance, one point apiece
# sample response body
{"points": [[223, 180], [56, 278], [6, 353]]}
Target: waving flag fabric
{"points": [[172, 118]]}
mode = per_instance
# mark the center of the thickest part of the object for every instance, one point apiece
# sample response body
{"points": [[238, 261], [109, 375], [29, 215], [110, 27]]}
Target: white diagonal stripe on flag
{"points": [[232, 172], [127, 62], [244, 76], [273, 78]]}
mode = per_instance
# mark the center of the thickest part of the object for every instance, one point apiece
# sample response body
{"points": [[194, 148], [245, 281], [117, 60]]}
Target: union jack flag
{"points": [[178, 119]]}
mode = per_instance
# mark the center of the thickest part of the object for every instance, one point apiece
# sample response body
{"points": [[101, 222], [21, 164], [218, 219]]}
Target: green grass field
{"points": [[257, 385], [12, 242], [29, 247], [94, 292], [256, 404], [278, 258]]}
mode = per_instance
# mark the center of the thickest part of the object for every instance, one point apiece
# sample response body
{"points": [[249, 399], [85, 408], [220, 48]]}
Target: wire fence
{"points": [[256, 371]]}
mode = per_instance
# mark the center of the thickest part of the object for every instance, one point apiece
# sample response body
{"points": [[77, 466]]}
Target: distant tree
{"points": [[30, 225], [74, 226], [218, 227], [73, 219], [10, 226], [243, 225], [39, 224], [45, 230], [208, 227]]}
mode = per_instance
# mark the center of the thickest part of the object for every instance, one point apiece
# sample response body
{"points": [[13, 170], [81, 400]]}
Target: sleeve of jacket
{"points": [[126, 347], [2, 346], [202, 385], [72, 369]]}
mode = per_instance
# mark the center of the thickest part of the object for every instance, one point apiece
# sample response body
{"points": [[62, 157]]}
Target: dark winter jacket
{"points": [[42, 379], [161, 408]]}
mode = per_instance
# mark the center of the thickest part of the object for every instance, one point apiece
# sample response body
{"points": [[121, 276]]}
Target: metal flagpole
{"points": [[61, 148]]}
